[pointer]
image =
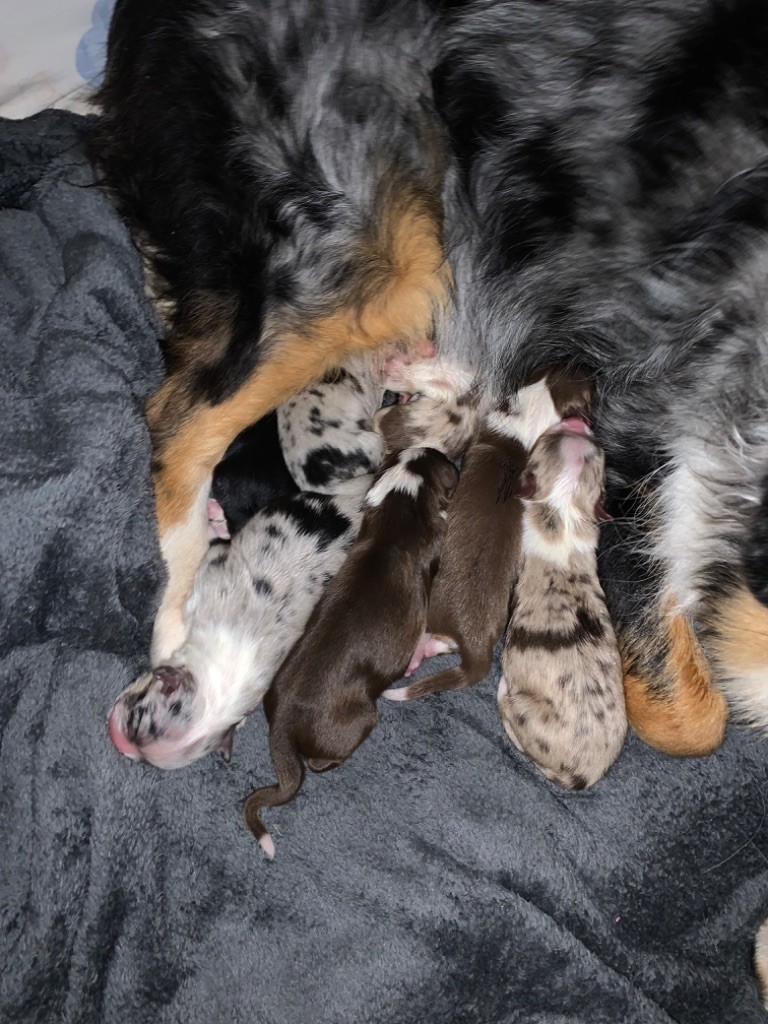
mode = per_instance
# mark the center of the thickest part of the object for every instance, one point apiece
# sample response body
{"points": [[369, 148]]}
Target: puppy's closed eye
{"points": [[528, 485]]}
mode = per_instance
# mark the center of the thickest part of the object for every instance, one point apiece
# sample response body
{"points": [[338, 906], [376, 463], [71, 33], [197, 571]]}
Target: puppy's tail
{"points": [[290, 775], [467, 673]]}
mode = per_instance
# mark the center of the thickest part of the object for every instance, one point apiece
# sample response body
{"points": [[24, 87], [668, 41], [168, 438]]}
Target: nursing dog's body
{"points": [[595, 174]]}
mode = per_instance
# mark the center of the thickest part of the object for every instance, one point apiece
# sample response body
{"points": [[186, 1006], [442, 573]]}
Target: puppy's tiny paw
{"points": [[400, 693], [217, 522]]}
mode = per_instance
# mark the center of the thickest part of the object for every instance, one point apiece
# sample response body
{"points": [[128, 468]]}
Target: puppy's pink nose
{"points": [[120, 741]]}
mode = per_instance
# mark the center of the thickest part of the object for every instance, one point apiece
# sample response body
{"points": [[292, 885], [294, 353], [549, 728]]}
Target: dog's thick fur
{"points": [[595, 171], [281, 166]]}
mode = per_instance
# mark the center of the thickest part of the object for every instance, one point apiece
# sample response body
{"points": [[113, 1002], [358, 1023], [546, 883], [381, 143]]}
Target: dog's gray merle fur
{"points": [[604, 202], [280, 165], [609, 207]]}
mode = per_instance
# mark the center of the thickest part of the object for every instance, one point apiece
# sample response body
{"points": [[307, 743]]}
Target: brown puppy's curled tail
{"points": [[290, 775], [451, 679]]}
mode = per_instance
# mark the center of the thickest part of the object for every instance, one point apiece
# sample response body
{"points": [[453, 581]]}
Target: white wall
{"points": [[38, 40]]}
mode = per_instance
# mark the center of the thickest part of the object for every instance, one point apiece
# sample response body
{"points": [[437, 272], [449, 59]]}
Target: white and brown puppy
{"points": [[322, 704], [249, 604], [561, 694], [469, 607], [438, 406]]}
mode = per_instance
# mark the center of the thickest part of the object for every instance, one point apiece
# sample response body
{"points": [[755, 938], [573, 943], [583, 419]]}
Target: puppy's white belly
{"points": [[250, 604]]}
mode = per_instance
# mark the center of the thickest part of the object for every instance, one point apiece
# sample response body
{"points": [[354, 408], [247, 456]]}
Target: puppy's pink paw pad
{"points": [[217, 521], [434, 646]]}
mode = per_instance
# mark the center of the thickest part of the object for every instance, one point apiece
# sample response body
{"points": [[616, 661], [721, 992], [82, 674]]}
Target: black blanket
{"points": [[437, 878]]}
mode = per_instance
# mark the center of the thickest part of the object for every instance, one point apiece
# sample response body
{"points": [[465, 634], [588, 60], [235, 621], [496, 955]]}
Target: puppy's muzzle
{"points": [[147, 712]]}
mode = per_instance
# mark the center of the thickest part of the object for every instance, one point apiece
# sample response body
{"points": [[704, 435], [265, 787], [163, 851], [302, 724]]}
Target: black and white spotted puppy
{"points": [[249, 604], [327, 433], [251, 598]]}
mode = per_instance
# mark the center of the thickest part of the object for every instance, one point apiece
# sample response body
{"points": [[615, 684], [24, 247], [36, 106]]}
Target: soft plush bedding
{"points": [[436, 877]]}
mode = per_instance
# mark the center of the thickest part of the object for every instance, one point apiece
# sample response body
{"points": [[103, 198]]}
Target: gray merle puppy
{"points": [[249, 604], [251, 598]]}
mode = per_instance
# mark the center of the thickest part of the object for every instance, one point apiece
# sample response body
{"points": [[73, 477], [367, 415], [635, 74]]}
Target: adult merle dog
{"points": [[577, 181]]}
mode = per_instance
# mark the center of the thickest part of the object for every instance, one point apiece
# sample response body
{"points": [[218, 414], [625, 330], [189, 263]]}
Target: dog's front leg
{"points": [[190, 436]]}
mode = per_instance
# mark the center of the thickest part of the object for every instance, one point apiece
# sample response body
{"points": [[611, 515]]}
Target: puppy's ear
{"points": [[601, 513], [528, 485], [447, 476], [393, 423]]}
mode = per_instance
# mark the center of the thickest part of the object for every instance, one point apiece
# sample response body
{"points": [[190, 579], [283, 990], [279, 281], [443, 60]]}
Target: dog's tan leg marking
{"points": [[402, 281], [676, 709], [739, 647]]}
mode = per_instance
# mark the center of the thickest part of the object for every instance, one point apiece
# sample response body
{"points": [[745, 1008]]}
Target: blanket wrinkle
{"points": [[437, 877]]}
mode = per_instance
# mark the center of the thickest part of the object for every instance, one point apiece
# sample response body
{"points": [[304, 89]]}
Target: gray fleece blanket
{"points": [[436, 877]]}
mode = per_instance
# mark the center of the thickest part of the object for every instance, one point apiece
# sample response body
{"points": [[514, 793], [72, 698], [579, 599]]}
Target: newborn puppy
{"points": [[327, 433], [433, 377], [469, 607], [561, 694], [249, 604], [360, 636], [251, 475]]}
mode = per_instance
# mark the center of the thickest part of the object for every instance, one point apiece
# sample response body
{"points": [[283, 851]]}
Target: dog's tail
{"points": [[470, 671], [290, 775]]}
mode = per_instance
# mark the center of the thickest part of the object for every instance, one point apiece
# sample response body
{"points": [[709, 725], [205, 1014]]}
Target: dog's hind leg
{"points": [[672, 702], [737, 639]]}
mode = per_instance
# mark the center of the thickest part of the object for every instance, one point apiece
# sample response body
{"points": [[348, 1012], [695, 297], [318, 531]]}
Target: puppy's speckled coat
{"points": [[250, 602], [561, 694], [445, 424], [326, 432], [469, 608]]}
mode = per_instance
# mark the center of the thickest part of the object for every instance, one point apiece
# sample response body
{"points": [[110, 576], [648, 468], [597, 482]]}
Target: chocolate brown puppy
{"points": [[561, 695], [469, 607], [359, 638]]}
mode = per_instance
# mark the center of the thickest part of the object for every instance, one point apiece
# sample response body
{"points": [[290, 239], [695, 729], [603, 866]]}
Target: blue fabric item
{"points": [[91, 53]]}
